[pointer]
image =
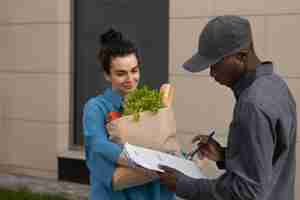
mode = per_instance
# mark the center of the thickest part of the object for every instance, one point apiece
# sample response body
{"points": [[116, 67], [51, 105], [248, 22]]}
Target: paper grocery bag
{"points": [[152, 130]]}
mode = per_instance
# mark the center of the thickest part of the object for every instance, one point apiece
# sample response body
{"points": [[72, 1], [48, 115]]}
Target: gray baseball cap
{"points": [[222, 36]]}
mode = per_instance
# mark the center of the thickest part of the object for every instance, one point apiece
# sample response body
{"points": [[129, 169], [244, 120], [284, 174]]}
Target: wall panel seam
{"points": [[38, 121], [32, 23], [188, 75], [207, 76], [17, 72], [242, 14]]}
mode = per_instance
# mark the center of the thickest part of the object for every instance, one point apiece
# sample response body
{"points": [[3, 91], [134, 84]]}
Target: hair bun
{"points": [[110, 36]]}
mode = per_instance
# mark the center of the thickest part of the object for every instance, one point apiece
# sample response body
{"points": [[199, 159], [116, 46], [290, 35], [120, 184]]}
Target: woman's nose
{"points": [[129, 77]]}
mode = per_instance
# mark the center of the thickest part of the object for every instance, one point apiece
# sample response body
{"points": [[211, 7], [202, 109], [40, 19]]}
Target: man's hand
{"points": [[169, 177], [210, 149]]}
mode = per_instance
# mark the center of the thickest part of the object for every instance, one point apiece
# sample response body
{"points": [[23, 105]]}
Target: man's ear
{"points": [[107, 77], [242, 55]]}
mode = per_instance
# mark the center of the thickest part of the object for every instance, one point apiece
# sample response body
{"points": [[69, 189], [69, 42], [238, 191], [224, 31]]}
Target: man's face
{"points": [[227, 71]]}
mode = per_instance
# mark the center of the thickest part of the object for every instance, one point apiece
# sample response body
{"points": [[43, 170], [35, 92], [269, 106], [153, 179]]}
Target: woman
{"points": [[121, 63]]}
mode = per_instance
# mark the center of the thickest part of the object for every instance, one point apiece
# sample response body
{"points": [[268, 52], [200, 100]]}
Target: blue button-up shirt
{"points": [[102, 154]]}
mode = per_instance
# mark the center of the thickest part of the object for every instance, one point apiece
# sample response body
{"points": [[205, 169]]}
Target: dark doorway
{"points": [[143, 21]]}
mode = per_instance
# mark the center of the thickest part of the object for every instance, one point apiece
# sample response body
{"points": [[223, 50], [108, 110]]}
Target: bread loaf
{"points": [[167, 92]]}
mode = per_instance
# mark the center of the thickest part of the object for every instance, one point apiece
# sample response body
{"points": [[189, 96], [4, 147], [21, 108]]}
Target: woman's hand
{"points": [[209, 148], [123, 159], [168, 177]]}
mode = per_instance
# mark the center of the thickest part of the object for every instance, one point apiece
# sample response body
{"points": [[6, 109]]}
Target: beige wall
{"points": [[35, 77], [35, 73], [200, 103]]}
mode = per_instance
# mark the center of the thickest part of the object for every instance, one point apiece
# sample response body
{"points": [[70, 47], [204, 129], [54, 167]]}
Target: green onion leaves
{"points": [[142, 99]]}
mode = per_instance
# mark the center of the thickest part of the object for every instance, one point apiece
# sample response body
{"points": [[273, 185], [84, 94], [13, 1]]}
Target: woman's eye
{"points": [[135, 70], [120, 74]]}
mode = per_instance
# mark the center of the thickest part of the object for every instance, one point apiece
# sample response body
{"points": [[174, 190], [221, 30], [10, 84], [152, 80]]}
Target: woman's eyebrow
{"points": [[120, 70], [137, 66]]}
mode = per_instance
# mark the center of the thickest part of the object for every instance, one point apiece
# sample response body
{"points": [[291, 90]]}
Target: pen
{"points": [[192, 153]]}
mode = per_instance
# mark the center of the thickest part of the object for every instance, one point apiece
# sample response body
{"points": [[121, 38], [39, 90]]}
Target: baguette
{"points": [[167, 92]]}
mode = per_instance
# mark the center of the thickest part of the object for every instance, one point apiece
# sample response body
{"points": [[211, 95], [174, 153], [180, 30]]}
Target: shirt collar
{"points": [[114, 97], [247, 79]]}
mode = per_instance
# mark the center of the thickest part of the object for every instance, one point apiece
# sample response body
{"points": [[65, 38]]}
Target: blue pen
{"points": [[192, 153]]}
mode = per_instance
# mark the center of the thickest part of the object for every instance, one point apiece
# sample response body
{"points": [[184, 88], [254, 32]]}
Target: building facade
{"points": [[36, 75]]}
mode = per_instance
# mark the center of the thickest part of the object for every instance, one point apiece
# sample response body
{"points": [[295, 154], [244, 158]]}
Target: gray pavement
{"points": [[72, 191]]}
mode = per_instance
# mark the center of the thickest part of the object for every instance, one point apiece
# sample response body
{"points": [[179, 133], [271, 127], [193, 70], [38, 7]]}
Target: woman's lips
{"points": [[128, 86]]}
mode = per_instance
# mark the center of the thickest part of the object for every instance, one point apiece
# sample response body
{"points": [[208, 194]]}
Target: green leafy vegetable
{"points": [[142, 99]]}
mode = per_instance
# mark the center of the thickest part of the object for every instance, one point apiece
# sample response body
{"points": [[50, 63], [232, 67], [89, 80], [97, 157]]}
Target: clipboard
{"points": [[151, 159]]}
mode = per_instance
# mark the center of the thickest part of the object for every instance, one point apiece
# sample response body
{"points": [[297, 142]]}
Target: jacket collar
{"points": [[265, 68]]}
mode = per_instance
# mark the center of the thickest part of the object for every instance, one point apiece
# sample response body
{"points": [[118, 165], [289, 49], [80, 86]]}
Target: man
{"points": [[259, 159]]}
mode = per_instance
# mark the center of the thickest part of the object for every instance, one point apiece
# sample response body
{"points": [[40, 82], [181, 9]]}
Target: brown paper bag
{"points": [[153, 130]]}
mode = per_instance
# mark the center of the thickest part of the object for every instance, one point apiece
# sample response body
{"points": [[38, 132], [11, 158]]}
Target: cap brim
{"points": [[198, 63]]}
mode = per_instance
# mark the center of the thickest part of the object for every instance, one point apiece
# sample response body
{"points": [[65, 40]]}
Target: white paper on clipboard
{"points": [[151, 159]]}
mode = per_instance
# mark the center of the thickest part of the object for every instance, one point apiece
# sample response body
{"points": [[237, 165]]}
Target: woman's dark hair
{"points": [[113, 44]]}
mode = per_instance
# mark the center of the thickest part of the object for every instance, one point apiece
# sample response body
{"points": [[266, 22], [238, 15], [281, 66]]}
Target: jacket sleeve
{"points": [[248, 162], [222, 163], [95, 133]]}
